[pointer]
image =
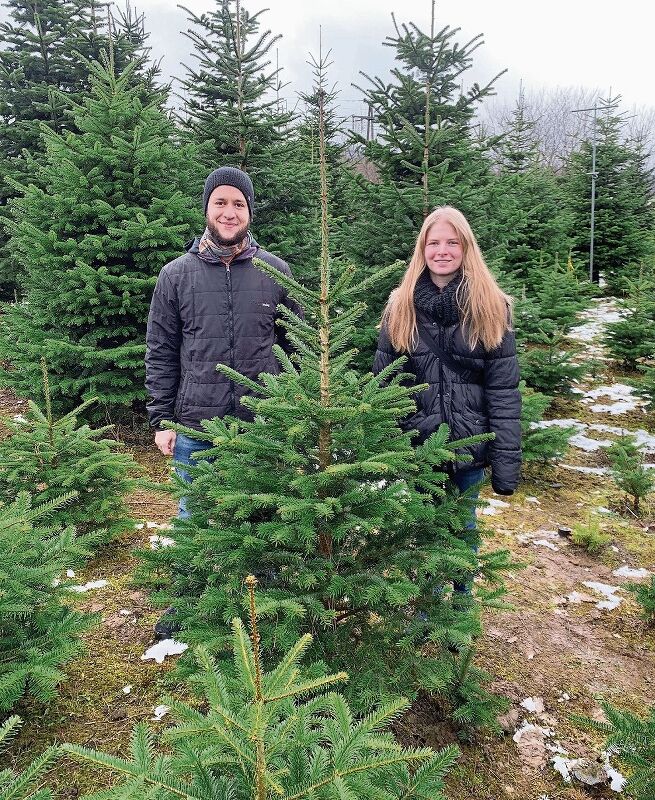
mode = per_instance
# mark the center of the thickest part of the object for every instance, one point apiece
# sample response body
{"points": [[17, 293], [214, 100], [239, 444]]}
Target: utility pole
{"points": [[606, 105]]}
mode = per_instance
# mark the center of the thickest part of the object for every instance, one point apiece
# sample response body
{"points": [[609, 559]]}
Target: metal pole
{"points": [[593, 200]]}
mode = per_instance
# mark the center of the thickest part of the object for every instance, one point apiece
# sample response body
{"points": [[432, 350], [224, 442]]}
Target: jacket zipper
{"points": [[442, 345], [230, 311]]}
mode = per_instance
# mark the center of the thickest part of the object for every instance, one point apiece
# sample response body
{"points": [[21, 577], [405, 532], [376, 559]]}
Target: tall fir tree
{"points": [[624, 212], [348, 527], [425, 152], [114, 208], [44, 49], [534, 234], [231, 104]]}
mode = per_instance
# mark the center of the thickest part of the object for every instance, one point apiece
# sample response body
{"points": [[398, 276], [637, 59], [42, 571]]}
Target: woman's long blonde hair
{"points": [[486, 309]]}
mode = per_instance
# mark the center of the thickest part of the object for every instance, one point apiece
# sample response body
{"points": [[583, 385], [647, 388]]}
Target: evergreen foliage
{"points": [[628, 470], [591, 536], [232, 110], [114, 209], [48, 456], [547, 367], [425, 153], [348, 528], [38, 632], [261, 738], [645, 595], [540, 444], [624, 214], [631, 739], [646, 386], [24, 786], [632, 338], [44, 50]]}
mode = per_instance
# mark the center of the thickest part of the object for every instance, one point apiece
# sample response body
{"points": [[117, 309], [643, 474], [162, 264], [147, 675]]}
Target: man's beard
{"points": [[238, 236]]}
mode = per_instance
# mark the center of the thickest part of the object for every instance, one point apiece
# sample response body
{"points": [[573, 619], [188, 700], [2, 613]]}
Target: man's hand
{"points": [[165, 441]]}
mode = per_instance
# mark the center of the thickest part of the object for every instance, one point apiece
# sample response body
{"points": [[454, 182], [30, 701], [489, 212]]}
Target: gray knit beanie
{"points": [[230, 176]]}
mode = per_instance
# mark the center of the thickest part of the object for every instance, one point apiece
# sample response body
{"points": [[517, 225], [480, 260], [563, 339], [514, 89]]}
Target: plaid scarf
{"points": [[213, 253]]}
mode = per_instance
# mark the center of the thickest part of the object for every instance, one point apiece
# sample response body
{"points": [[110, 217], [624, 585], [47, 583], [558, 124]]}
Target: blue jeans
{"points": [[185, 446], [465, 479]]}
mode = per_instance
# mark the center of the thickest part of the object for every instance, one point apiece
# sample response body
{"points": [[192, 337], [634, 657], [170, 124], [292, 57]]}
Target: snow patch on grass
{"points": [[167, 647]]}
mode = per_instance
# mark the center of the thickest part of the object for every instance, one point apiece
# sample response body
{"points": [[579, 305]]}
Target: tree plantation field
{"points": [[551, 655], [319, 647]]}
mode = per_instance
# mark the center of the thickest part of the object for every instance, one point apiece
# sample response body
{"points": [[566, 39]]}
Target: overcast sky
{"points": [[599, 45]]}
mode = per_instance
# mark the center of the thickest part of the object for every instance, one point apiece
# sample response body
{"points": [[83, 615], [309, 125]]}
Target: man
{"points": [[212, 306]]}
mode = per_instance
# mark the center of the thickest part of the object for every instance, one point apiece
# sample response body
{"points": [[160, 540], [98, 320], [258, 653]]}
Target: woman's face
{"points": [[443, 253]]}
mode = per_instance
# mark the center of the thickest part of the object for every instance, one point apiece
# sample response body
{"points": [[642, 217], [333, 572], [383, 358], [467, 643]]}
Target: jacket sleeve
{"points": [[280, 330], [501, 386], [419, 421], [163, 343]]}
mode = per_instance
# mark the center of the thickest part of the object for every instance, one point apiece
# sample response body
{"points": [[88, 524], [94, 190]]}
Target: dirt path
{"points": [[555, 649]]}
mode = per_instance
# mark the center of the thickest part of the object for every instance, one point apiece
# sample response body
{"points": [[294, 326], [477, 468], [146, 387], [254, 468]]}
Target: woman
{"points": [[453, 323]]}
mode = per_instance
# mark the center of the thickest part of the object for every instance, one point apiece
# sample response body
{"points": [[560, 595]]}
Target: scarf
{"points": [[440, 306], [213, 253]]}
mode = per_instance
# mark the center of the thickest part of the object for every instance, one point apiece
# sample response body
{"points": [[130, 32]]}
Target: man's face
{"points": [[227, 215]]}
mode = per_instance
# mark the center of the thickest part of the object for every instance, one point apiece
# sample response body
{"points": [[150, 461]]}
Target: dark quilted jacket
{"points": [[487, 399], [206, 314]]}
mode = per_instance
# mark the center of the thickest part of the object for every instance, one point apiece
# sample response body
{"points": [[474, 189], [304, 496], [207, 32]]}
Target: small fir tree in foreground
{"points": [[27, 784], [114, 208], [628, 470], [630, 739], [47, 456], [38, 632], [277, 734], [347, 526], [644, 594]]}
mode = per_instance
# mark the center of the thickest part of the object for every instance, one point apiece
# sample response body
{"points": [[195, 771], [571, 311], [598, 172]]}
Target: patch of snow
{"points": [[545, 543], [494, 507], [535, 705], [533, 500], [620, 407], [561, 765], [629, 572], [612, 601], [88, 586], [587, 470], [614, 548], [55, 583], [560, 423], [20, 418], [564, 697], [127, 689], [124, 612], [160, 711], [139, 526], [617, 781], [617, 391], [160, 541], [167, 647], [70, 573], [583, 442], [603, 510]]}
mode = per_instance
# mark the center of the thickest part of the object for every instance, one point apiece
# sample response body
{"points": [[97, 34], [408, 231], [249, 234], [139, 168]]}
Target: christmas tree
{"points": [[232, 107], [624, 215], [48, 456], [261, 738], [45, 46], [349, 529], [24, 786], [114, 209], [631, 339], [537, 443], [38, 632]]}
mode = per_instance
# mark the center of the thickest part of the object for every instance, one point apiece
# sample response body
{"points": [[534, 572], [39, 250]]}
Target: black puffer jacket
{"points": [[486, 399], [205, 314]]}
